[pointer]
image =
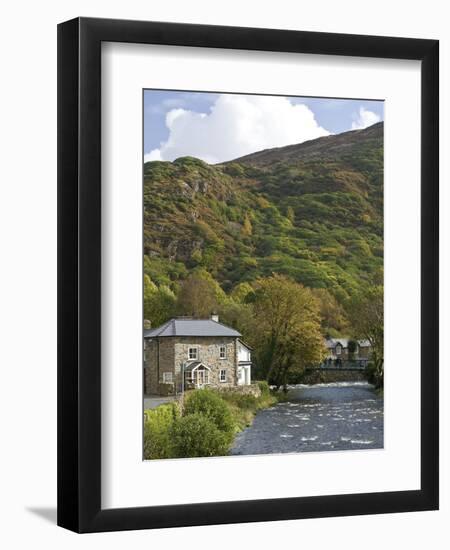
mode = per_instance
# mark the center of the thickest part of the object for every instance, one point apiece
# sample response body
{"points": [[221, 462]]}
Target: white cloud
{"points": [[364, 119], [153, 155], [236, 126]]}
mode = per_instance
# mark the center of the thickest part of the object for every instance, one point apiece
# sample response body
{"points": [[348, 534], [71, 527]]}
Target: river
{"points": [[321, 417]]}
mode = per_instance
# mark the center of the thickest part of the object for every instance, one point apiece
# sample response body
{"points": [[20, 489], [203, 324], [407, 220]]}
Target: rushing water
{"points": [[322, 417]]}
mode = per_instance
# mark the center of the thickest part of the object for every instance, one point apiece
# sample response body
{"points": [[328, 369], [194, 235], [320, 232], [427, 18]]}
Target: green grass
{"points": [[244, 407]]}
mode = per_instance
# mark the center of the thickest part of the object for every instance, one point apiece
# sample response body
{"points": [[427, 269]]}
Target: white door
{"points": [[241, 379], [201, 377], [247, 375]]}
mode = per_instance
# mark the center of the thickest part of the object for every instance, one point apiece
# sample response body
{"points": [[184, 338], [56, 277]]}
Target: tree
{"points": [[197, 297], [334, 321], [240, 292], [366, 313], [159, 302], [239, 316], [351, 347], [149, 287], [287, 333]]}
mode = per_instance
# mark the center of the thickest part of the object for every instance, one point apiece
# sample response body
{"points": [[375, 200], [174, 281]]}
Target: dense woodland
{"points": [[285, 244]]}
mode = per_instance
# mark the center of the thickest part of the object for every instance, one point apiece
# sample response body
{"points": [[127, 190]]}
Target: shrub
{"points": [[374, 375], [159, 422], [213, 407], [240, 400], [197, 435], [243, 407], [264, 387]]}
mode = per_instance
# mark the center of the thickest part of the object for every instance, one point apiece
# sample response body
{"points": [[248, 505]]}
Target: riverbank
{"points": [[245, 407], [317, 418], [205, 424]]}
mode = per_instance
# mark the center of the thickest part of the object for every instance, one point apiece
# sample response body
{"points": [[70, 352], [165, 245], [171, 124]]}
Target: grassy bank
{"points": [[244, 407], [205, 426]]}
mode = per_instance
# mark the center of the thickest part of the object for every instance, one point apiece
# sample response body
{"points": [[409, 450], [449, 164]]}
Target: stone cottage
{"points": [[337, 348], [194, 353]]}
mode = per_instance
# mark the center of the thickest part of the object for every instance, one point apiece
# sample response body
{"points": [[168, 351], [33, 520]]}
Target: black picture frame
{"points": [[79, 274]]}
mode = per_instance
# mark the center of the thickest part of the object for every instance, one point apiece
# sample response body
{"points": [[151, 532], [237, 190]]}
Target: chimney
{"points": [[214, 317]]}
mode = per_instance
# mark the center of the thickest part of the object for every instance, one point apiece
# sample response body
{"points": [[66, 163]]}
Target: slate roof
{"points": [[364, 343], [191, 327], [332, 342]]}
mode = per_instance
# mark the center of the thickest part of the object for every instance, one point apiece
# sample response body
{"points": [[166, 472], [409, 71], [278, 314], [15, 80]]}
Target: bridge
{"points": [[340, 369], [347, 372], [339, 364]]}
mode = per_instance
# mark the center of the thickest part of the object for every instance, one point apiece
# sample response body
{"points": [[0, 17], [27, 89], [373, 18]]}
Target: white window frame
{"points": [[224, 348], [338, 349], [224, 379], [167, 375], [192, 348]]}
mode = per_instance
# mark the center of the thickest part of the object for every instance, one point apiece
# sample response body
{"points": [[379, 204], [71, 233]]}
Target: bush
{"points": [[243, 407], [196, 435], [157, 427], [374, 376], [213, 407], [240, 400], [263, 385]]}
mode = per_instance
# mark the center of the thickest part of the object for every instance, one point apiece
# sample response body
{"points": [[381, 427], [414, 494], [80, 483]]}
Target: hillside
{"points": [[312, 211]]}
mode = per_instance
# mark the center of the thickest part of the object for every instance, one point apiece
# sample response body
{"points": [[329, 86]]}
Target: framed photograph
{"points": [[247, 276]]}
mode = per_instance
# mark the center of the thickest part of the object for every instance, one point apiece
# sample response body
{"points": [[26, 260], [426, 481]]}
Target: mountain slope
{"points": [[328, 147], [312, 211]]}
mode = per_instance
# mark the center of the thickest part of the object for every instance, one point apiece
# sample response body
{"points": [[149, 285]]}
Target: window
{"points": [[223, 375], [223, 352], [167, 377], [193, 353], [338, 350]]}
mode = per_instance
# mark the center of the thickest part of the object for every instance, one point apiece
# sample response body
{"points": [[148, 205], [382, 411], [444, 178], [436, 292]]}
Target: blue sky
{"points": [[220, 127]]}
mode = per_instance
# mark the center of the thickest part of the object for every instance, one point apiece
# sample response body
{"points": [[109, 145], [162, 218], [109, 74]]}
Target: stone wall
{"points": [[168, 354], [150, 367], [208, 354], [318, 376], [251, 389]]}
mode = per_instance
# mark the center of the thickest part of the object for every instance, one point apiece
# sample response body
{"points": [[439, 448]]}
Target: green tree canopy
{"points": [[289, 334], [241, 291], [366, 313], [197, 297], [334, 321], [159, 303]]}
